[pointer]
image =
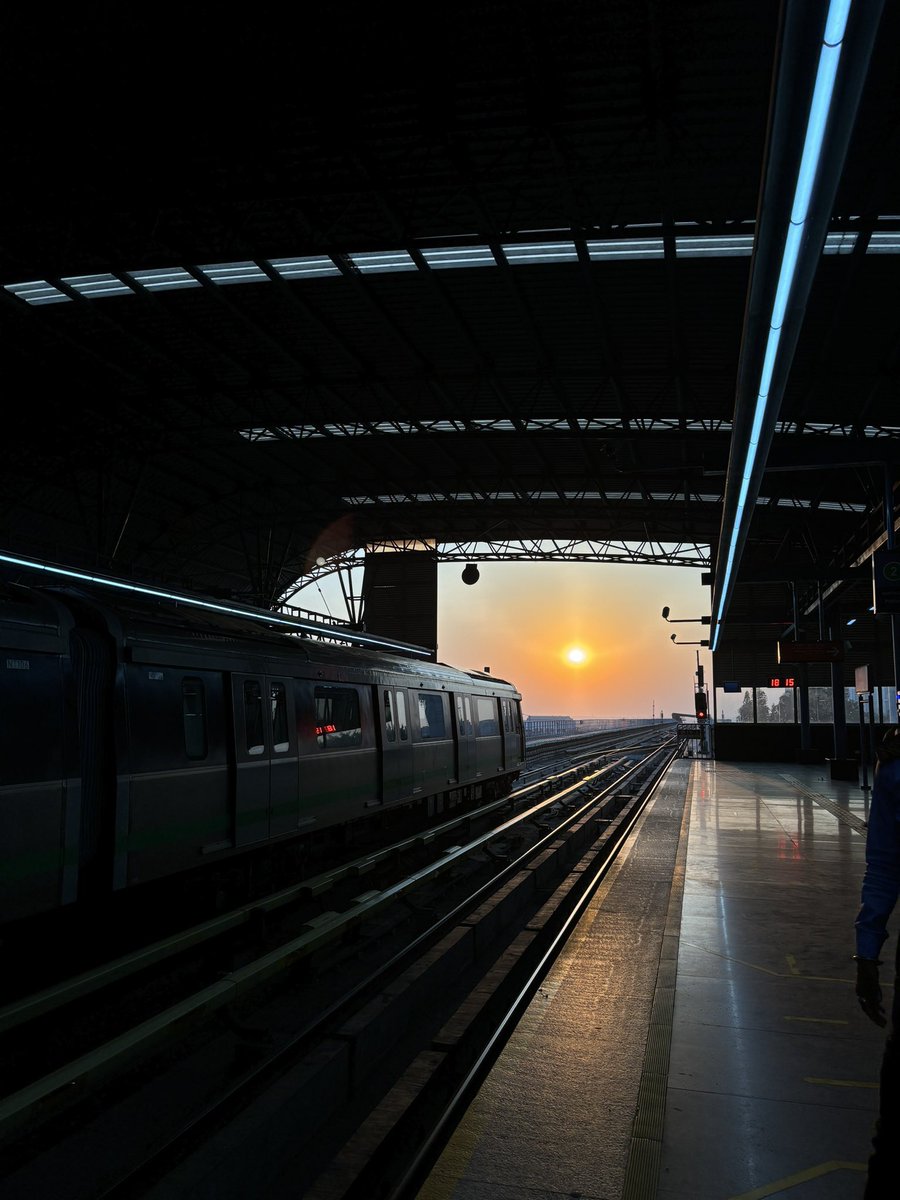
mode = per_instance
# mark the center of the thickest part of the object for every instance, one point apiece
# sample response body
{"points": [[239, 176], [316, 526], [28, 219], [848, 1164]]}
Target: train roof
{"points": [[34, 621], [139, 619]]}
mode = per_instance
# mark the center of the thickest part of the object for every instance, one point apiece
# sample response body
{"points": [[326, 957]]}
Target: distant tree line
{"points": [[821, 707]]}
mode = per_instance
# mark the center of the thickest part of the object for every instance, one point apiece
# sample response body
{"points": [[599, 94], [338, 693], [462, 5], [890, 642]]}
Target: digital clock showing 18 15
{"points": [[781, 681]]}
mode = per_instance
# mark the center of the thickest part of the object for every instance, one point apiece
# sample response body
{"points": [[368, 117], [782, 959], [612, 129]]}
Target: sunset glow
{"points": [[576, 639]]}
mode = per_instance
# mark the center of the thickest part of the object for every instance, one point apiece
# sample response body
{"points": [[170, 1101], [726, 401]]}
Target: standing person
{"points": [[880, 888]]}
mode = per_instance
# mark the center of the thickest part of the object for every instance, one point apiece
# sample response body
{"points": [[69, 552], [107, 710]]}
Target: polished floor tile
{"points": [[771, 1069], [772, 1082]]}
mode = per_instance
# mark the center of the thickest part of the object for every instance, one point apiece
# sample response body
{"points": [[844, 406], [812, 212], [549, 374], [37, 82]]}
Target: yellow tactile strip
{"points": [[837, 810]]}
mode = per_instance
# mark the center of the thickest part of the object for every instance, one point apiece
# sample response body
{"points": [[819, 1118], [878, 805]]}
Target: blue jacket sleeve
{"points": [[881, 882]]}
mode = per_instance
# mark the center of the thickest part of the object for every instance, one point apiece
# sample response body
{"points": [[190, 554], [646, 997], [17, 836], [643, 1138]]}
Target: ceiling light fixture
{"points": [[804, 192]]}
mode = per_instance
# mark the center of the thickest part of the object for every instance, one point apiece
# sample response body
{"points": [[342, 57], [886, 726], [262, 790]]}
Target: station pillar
{"points": [[399, 595]]}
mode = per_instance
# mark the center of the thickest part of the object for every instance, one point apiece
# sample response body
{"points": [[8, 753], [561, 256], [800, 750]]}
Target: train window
{"points": [[431, 716], [487, 716], [402, 723], [193, 711], [390, 730], [253, 717], [337, 718], [507, 716], [464, 716], [280, 736]]}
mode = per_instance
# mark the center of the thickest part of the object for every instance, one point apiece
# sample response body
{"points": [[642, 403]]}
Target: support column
{"points": [[400, 596]]}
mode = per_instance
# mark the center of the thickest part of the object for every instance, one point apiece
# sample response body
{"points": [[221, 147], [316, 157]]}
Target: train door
{"points": [[267, 799], [513, 739], [396, 758], [465, 739]]}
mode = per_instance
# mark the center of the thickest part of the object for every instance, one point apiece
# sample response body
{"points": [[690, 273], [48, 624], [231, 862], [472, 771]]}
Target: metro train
{"points": [[141, 740]]}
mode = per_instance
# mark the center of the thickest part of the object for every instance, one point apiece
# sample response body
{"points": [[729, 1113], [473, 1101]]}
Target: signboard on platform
{"points": [[688, 731], [808, 652], [886, 581]]}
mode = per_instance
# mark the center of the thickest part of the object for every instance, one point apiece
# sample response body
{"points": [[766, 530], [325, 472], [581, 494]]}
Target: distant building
{"points": [[556, 726]]}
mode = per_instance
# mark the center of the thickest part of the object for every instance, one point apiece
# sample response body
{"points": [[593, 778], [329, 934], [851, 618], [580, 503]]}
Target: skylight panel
{"points": [[739, 245], [884, 243], [38, 291], [839, 243], [382, 262], [98, 285], [495, 425], [165, 279], [634, 248], [239, 272], [794, 502], [265, 435], [388, 427], [818, 428], [459, 256], [543, 252], [455, 497], [500, 423], [445, 426], [451, 425], [832, 430], [589, 423], [707, 424], [648, 424], [316, 266]]}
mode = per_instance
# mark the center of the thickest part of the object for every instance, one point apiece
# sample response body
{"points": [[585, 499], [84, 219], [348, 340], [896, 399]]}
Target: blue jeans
{"points": [[883, 1179]]}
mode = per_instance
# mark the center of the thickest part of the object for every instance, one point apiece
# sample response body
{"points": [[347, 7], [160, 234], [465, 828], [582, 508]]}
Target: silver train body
{"points": [[139, 743]]}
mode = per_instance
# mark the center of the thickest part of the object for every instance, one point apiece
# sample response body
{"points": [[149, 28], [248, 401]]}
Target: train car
{"points": [[143, 740]]}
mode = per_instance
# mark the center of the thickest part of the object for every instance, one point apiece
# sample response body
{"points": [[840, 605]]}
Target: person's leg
{"points": [[884, 1163]]}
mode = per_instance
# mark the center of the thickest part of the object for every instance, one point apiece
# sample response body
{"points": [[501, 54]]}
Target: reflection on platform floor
{"points": [[772, 1083], [699, 1039]]}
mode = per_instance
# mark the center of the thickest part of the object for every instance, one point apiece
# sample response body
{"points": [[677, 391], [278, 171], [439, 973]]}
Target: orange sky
{"points": [[520, 619]]}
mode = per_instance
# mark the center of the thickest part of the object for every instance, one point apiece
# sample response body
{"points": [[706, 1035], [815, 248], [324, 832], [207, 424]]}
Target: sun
{"points": [[576, 656]]}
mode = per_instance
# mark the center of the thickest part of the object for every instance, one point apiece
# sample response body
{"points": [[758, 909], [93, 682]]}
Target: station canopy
{"points": [[279, 290]]}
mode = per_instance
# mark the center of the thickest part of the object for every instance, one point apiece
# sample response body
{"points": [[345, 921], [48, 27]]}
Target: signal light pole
{"points": [[701, 708]]}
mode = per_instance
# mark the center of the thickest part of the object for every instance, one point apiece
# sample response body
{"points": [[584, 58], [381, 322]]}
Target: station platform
{"points": [[699, 1037]]}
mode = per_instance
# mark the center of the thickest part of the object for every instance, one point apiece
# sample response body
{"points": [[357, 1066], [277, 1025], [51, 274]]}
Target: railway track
{"points": [[333, 995]]}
